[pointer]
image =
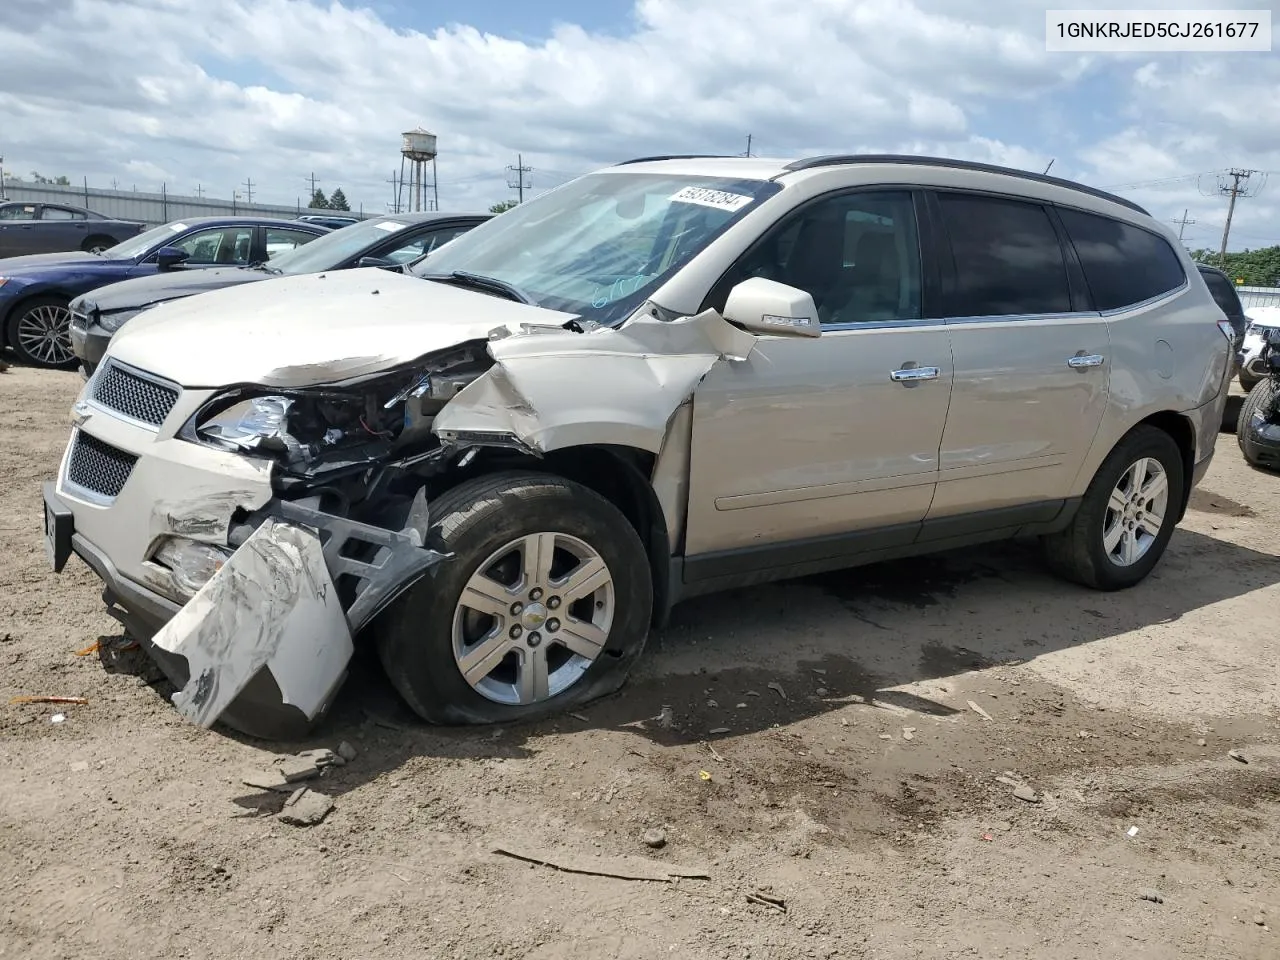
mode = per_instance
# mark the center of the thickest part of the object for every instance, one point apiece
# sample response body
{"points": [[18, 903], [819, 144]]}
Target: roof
{"points": [[766, 169], [244, 218], [425, 216]]}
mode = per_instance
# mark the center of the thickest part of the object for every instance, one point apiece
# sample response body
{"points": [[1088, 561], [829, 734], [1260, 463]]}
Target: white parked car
{"points": [[1251, 369]]}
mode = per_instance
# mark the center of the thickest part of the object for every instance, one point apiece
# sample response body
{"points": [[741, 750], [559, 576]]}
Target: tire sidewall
{"points": [[11, 332], [416, 645], [1158, 446]]}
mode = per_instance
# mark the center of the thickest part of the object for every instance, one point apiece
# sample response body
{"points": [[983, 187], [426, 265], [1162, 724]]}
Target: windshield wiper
{"points": [[481, 282]]}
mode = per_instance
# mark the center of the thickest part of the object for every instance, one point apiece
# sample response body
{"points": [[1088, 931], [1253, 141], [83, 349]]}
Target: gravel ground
{"points": [[844, 758]]}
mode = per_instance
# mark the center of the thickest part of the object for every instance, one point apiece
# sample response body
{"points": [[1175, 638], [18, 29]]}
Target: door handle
{"points": [[1093, 360], [912, 374]]}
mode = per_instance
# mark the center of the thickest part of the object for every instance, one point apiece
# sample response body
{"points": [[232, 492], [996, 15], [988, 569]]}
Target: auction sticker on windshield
{"points": [[175, 227], [719, 199], [389, 225]]}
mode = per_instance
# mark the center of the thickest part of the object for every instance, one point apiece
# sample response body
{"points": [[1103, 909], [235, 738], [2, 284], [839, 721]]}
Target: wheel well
{"points": [[1179, 428], [620, 475], [98, 236]]}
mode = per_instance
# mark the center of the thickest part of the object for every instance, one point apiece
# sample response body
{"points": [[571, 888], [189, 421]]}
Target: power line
{"points": [[519, 185]]}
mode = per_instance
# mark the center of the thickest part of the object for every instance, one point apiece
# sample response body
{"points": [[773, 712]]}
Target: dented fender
{"points": [[562, 389]]}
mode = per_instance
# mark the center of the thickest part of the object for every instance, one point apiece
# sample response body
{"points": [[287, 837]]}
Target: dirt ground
{"points": [[848, 745]]}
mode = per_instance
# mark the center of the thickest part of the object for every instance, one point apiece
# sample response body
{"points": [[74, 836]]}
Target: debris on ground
{"points": [[299, 768], [621, 868], [1131, 832], [305, 808], [718, 730], [979, 711], [322, 757], [704, 775], [80, 766], [822, 691], [655, 837], [767, 900], [271, 779], [1026, 793], [346, 751], [908, 733], [58, 718], [666, 717], [1152, 896], [78, 701], [777, 688], [1237, 755]]}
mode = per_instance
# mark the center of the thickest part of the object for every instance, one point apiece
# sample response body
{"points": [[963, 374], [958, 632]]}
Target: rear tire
{"points": [[488, 523], [1247, 383], [1259, 397], [97, 244], [1110, 544]]}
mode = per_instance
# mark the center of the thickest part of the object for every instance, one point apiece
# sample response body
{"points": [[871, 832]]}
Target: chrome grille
{"points": [[137, 397], [98, 467]]}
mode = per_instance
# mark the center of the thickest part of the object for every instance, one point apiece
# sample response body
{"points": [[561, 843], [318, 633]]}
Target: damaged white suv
{"points": [[668, 377]]}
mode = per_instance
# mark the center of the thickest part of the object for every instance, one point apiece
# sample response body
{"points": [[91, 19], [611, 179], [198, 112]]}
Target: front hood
{"points": [[313, 329], [35, 262], [138, 292]]}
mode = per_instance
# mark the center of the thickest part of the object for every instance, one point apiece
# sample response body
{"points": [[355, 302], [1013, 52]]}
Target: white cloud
{"points": [[187, 91]]}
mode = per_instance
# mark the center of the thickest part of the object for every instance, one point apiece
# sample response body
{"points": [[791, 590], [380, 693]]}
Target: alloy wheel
{"points": [[1135, 512], [44, 334], [533, 618]]}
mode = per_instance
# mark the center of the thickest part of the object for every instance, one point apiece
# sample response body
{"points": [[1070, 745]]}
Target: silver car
{"points": [[668, 377]]}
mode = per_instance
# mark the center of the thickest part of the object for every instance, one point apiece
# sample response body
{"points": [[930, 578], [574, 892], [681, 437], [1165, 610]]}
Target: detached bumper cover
{"points": [[263, 647]]}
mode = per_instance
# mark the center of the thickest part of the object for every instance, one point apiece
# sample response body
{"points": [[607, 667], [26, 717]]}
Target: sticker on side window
{"points": [[389, 225], [718, 199]]}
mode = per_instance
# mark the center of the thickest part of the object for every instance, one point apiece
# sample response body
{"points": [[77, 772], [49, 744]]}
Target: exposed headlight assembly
{"points": [[345, 424]]}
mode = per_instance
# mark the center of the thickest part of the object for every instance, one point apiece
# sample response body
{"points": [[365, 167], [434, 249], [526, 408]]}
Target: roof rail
{"points": [[810, 163], [675, 156]]}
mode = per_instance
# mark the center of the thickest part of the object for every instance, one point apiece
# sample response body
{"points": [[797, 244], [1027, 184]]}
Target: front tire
{"points": [[1126, 517], [97, 244], [39, 331], [545, 606]]}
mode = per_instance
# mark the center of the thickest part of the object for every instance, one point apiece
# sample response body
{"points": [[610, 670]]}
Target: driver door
{"points": [[816, 449]]}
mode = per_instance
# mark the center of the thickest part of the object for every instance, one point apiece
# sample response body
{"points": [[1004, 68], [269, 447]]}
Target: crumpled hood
{"points": [[313, 329], [35, 262], [136, 293]]}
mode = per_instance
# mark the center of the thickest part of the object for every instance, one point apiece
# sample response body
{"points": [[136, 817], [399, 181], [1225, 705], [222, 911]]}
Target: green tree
{"points": [[504, 206], [318, 201], [1251, 268], [338, 200]]}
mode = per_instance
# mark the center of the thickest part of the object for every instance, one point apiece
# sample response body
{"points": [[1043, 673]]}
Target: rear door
{"points": [[278, 240], [17, 221], [59, 229], [1031, 371]]}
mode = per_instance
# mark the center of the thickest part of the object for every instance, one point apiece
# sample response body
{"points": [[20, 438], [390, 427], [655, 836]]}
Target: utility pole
{"points": [[748, 153], [248, 186], [1183, 223], [199, 191], [520, 170], [312, 180], [1232, 191], [395, 192]]}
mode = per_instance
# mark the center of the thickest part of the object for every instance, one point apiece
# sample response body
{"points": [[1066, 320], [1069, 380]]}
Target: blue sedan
{"points": [[34, 291]]}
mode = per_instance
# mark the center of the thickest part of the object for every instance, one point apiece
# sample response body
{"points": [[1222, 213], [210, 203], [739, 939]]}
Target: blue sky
{"points": [[277, 89]]}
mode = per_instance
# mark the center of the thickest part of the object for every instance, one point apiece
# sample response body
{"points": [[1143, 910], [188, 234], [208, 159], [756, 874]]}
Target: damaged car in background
{"points": [[669, 377]]}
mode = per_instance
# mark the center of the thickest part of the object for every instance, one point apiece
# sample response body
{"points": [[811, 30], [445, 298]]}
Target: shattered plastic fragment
{"points": [[271, 606]]}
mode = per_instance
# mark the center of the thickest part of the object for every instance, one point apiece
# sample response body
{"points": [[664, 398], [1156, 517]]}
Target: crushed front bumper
{"points": [[257, 660]]}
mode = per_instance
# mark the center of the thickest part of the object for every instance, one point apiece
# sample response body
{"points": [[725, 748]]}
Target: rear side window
{"points": [[1123, 264], [1224, 294], [1007, 256]]}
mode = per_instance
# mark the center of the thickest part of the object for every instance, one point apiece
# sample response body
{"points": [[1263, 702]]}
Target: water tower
{"points": [[418, 149]]}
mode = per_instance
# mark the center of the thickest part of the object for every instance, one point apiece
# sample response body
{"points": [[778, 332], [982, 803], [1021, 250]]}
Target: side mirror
{"points": [[169, 257], [768, 307], [375, 262]]}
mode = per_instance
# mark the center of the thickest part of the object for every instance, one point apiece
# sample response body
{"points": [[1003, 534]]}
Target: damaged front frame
{"points": [[274, 605]]}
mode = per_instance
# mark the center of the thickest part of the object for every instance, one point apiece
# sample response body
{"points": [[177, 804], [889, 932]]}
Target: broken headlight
{"points": [[347, 423]]}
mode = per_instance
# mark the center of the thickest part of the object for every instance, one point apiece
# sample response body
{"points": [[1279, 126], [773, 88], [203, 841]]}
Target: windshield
{"points": [[601, 244], [325, 253], [136, 246]]}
